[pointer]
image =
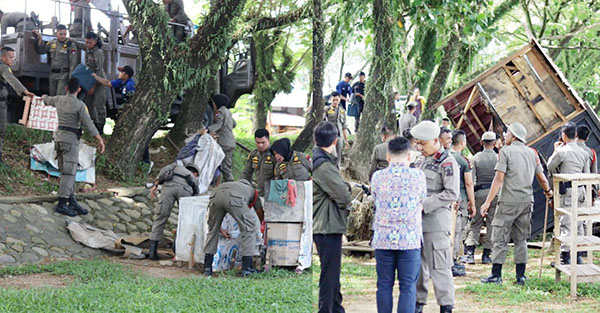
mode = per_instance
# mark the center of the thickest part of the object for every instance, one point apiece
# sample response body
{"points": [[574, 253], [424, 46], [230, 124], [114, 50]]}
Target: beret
{"points": [[426, 130]]}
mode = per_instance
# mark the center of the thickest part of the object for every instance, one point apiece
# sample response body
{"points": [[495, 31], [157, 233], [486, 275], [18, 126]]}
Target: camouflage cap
{"points": [[426, 130], [488, 136], [518, 131]]}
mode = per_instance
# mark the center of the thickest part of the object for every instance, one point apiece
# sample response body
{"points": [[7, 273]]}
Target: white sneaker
{"points": [[150, 168]]}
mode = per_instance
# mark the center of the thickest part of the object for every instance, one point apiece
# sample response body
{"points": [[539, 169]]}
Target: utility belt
{"points": [[562, 187], [76, 131], [189, 181], [481, 187], [60, 70]]}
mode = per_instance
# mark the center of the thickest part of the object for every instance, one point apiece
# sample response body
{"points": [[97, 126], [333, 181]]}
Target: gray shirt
{"points": [[407, 120], [71, 113], [7, 77], [223, 126], [483, 165], [592, 157], [519, 163], [378, 158]]}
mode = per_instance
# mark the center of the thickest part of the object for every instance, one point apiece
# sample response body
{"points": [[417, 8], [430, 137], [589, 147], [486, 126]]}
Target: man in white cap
{"points": [[483, 163], [516, 167], [443, 181]]}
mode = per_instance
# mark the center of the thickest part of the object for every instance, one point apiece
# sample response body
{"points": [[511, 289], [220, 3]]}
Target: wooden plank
{"points": [[23, 120], [472, 128], [555, 127], [516, 84], [467, 107], [558, 81], [477, 119]]}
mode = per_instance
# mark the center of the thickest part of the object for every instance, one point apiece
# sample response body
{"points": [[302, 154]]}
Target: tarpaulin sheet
{"points": [[43, 158], [208, 157]]}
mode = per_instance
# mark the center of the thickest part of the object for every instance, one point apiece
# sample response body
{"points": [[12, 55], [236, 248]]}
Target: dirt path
{"points": [[35, 281]]}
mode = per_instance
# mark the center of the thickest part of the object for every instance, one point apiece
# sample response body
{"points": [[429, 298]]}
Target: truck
{"points": [[525, 87], [235, 78]]}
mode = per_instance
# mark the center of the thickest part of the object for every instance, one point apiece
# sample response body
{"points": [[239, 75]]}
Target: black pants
{"points": [[329, 248]]}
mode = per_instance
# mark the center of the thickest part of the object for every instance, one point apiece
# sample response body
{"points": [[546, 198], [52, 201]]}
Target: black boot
{"points": [[469, 255], [485, 257], [153, 254], [446, 309], [458, 270], [208, 261], [419, 307], [580, 257], [247, 268], [495, 277], [565, 258], [62, 208], [520, 269], [73, 205]]}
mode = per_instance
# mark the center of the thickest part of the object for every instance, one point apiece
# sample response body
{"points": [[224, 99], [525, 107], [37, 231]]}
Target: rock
{"points": [[57, 249], [113, 217], [131, 228], [75, 218], [2, 247], [105, 202], [38, 240], [127, 201], [141, 205], [48, 205], [13, 241], [10, 218], [40, 209], [18, 248], [132, 213], [29, 257], [167, 233], [146, 212], [172, 221], [16, 213], [33, 218], [93, 205], [5, 207], [147, 221], [142, 199], [89, 218], [166, 263], [85, 206], [2, 230], [32, 229], [105, 225], [40, 251], [121, 227], [141, 226], [124, 217], [7, 259], [48, 219]]}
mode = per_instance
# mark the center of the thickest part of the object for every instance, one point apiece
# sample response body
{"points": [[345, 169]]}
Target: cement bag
{"points": [[192, 220]]}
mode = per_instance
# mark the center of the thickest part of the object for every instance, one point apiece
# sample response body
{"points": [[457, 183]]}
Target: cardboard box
{"points": [[283, 243]]}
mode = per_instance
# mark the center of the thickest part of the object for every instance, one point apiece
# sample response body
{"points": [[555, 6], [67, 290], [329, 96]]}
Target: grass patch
{"points": [[356, 277], [103, 286]]}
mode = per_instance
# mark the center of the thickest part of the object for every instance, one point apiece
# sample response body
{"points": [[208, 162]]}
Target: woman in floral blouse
{"points": [[399, 192]]}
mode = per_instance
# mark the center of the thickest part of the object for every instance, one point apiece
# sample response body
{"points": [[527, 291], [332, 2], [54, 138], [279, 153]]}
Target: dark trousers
{"points": [[329, 248], [406, 264]]}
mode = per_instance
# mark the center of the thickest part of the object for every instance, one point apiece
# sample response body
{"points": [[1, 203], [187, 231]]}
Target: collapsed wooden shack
{"points": [[526, 87]]}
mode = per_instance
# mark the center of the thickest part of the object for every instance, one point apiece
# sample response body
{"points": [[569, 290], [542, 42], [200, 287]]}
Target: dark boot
{"points": [[153, 254], [73, 205], [62, 208], [485, 257], [458, 270], [446, 309], [565, 258], [469, 255], [247, 268], [520, 269], [419, 307], [495, 277], [580, 257], [208, 261]]}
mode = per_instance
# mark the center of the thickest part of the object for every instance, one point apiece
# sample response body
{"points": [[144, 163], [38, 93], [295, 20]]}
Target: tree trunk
{"points": [[305, 139], [260, 115], [378, 93]]}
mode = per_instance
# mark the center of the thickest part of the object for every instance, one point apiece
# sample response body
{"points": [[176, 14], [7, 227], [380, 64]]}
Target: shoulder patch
{"points": [[308, 157], [448, 168], [255, 159]]}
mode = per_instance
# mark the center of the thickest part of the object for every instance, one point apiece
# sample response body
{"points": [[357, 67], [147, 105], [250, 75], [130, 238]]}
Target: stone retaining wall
{"points": [[31, 232]]}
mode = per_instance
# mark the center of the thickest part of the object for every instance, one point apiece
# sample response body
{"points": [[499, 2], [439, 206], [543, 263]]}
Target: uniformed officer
{"points": [[95, 99], [569, 158], [242, 202], [466, 204], [178, 182], [290, 164], [222, 129], [7, 57], [483, 165], [446, 138], [379, 158], [260, 161], [408, 119], [177, 14], [71, 114], [516, 167], [583, 133], [337, 115], [82, 23], [443, 184], [62, 57]]}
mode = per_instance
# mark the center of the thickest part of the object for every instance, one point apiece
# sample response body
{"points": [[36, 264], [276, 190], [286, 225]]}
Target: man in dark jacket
{"points": [[331, 199]]}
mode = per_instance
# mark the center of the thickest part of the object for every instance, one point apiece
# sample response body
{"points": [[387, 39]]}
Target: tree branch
{"points": [[570, 47], [573, 33], [282, 20]]}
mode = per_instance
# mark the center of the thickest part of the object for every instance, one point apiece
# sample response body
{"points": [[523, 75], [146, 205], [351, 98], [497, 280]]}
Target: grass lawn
{"points": [[105, 286]]}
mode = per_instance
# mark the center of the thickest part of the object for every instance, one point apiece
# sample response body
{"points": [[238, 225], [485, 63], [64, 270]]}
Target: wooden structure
{"points": [[587, 272], [526, 87]]}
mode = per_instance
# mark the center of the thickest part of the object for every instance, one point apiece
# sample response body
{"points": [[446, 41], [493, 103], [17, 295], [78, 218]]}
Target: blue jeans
{"points": [[407, 263]]}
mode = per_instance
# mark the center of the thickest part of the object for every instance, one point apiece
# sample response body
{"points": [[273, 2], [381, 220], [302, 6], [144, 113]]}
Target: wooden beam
{"points": [[477, 119], [557, 126], [531, 106], [467, 107], [472, 128], [23, 120]]}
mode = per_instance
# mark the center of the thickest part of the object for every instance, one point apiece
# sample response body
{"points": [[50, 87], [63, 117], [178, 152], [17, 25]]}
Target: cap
{"points": [[282, 147], [426, 130], [127, 69], [488, 136], [518, 131], [194, 166], [348, 75]]}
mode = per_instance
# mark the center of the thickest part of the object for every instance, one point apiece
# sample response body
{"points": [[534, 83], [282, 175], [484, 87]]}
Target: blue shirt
{"points": [[127, 87], [344, 89], [399, 192]]}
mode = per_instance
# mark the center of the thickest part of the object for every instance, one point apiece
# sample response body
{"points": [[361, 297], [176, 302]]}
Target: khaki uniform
{"points": [[483, 173], [462, 217], [569, 159], [182, 184], [223, 127], [6, 79], [96, 103], [378, 158], [298, 168], [240, 200], [407, 121], [71, 114], [63, 60], [263, 164], [442, 173], [82, 24], [176, 12], [519, 164], [338, 117]]}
